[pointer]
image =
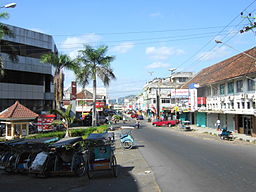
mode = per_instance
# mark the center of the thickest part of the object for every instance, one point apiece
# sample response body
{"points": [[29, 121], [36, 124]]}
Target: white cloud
{"points": [[162, 52], [123, 47], [73, 54], [75, 42], [158, 65], [215, 53]]}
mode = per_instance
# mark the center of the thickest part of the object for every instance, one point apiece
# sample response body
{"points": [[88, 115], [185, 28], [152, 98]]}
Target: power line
{"points": [[141, 32], [208, 42]]}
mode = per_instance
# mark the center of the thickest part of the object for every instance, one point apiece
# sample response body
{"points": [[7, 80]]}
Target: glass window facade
{"points": [[230, 87], [222, 89], [239, 86], [251, 85]]}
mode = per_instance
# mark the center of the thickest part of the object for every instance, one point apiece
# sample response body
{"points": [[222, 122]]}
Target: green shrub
{"points": [[74, 132]]}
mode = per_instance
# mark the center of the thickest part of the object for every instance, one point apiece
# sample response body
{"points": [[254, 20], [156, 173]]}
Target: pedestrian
{"points": [[124, 119], [217, 124], [137, 124]]}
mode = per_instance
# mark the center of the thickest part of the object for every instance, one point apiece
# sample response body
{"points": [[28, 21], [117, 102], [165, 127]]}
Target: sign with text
{"points": [[179, 93]]}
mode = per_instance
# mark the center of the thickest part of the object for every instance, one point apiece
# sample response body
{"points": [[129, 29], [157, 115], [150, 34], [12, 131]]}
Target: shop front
{"points": [[245, 124]]}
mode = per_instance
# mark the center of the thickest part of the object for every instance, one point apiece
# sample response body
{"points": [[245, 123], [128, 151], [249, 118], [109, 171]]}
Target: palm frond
{"points": [[105, 74]]}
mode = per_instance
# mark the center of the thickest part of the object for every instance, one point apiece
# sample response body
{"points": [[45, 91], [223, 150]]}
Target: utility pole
{"points": [[157, 103], [252, 21]]}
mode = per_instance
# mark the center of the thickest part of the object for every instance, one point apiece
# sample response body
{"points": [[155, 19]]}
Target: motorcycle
{"points": [[126, 138], [226, 134]]}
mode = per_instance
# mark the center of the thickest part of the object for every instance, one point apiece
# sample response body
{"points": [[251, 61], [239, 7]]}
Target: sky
{"points": [[147, 37]]}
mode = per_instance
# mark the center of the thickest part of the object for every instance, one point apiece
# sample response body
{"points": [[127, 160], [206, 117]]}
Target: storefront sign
{"points": [[179, 93]]}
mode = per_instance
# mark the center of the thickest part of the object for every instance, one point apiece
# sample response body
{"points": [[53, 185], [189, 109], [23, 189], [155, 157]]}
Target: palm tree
{"points": [[67, 119], [59, 62], [94, 63], [4, 30]]}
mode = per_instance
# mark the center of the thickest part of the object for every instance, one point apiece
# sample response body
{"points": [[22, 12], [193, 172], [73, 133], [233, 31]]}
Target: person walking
{"points": [[137, 124], [217, 124]]}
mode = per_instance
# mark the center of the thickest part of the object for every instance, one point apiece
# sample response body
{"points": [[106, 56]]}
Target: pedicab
{"points": [[101, 155], [65, 157], [7, 151], [126, 138], [24, 152]]}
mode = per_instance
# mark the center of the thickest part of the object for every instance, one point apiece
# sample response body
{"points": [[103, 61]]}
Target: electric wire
{"points": [[208, 42]]}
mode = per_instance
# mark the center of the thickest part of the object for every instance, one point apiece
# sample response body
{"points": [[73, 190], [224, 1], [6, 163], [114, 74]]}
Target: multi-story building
{"points": [[230, 92], [27, 80], [163, 94]]}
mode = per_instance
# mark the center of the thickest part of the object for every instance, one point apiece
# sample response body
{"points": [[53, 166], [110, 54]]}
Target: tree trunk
{"points": [[67, 132], [94, 119], [58, 89]]}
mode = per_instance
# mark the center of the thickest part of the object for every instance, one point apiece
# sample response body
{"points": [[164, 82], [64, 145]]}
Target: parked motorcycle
{"points": [[226, 134], [126, 138]]}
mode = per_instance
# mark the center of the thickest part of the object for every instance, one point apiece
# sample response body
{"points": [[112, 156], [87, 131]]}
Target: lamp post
{"points": [[219, 42]]}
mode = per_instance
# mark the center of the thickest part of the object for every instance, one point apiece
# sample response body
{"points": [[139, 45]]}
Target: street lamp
{"points": [[9, 5], [219, 42]]}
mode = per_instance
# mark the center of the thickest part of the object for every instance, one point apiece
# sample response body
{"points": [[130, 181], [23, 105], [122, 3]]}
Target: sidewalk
{"points": [[212, 131], [134, 174]]}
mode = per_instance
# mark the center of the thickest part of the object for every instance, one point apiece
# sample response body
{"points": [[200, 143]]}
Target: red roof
{"points": [[232, 67], [18, 111]]}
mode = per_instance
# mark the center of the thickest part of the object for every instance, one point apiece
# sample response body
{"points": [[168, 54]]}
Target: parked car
{"points": [[165, 123], [134, 115]]}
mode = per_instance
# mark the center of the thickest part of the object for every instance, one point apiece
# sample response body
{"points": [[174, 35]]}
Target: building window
{"points": [[248, 105], [238, 105], [251, 85], [166, 101], [232, 105], [253, 105], [222, 89], [239, 86], [154, 100], [215, 90], [242, 105], [230, 87], [183, 79]]}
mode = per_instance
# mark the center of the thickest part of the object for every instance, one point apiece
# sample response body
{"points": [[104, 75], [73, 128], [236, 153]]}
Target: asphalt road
{"points": [[183, 163]]}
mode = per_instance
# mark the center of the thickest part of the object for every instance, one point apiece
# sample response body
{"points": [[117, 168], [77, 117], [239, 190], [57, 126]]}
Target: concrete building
{"points": [[29, 81], [230, 92], [161, 95]]}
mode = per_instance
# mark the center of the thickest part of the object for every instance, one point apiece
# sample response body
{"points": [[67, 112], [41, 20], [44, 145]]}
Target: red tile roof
{"points": [[85, 94], [18, 111], [232, 67]]}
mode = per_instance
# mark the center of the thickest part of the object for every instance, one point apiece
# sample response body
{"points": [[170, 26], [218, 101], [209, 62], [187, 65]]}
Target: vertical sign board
{"points": [[44, 122], [193, 96]]}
